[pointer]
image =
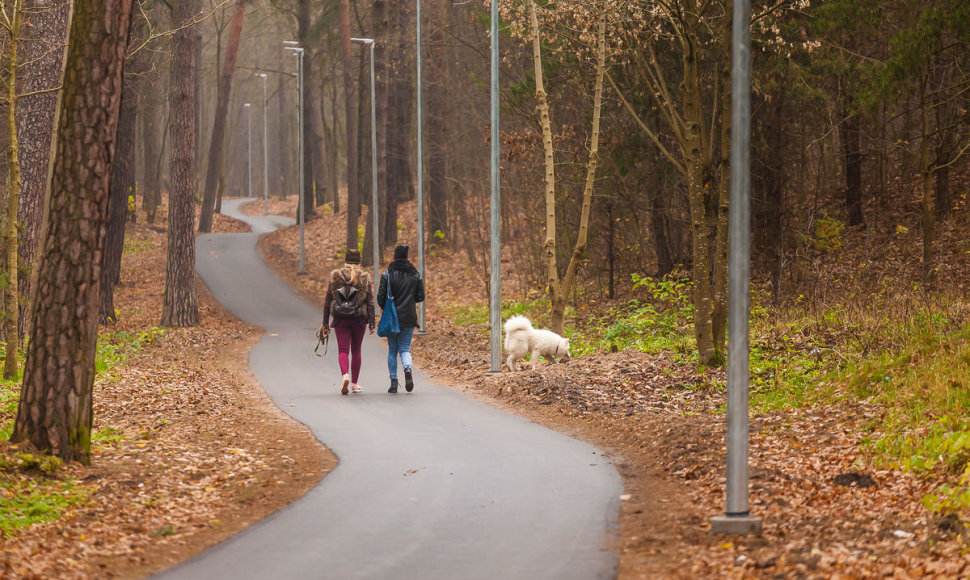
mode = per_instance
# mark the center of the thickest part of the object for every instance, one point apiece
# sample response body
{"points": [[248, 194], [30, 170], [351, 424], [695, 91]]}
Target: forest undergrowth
{"points": [[836, 495]]}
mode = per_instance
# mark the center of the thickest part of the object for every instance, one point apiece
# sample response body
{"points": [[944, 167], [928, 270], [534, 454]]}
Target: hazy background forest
{"points": [[859, 117]]}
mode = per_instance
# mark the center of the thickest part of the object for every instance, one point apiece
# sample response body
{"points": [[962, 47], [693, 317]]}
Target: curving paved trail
{"points": [[430, 485]]}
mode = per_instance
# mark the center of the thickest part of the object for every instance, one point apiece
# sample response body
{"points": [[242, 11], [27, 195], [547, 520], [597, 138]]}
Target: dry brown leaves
{"points": [[204, 452], [658, 419]]}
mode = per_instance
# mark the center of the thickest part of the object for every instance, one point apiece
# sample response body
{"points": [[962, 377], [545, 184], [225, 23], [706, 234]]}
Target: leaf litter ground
{"points": [[196, 450], [204, 452], [828, 511]]}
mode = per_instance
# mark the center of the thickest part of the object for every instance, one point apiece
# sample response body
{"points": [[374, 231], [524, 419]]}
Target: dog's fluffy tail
{"points": [[516, 324]]}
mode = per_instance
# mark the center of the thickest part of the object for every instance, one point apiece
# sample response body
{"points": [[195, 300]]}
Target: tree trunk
{"points": [[55, 412], [556, 299], [436, 97], [11, 295], [333, 154], [719, 315], [852, 154], [180, 306], [151, 131], [926, 171], [219, 123], [559, 309], [44, 39], [353, 192], [659, 225], [283, 144], [122, 184], [400, 186], [309, 135]]}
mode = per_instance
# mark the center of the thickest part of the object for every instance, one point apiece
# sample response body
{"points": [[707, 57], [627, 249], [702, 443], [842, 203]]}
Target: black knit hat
{"points": [[401, 252], [352, 257]]}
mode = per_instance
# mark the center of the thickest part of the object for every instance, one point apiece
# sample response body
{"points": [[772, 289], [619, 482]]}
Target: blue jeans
{"points": [[399, 344]]}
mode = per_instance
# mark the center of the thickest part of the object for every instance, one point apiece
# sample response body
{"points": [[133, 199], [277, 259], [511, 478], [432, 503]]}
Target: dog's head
{"points": [[564, 347]]}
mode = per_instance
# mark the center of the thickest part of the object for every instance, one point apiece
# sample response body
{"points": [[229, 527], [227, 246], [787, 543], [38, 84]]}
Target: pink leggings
{"points": [[350, 334]]}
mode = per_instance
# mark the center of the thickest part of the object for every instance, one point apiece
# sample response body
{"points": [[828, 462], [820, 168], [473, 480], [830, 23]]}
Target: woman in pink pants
{"points": [[350, 304]]}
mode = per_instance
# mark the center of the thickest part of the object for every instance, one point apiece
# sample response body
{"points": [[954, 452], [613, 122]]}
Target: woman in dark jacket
{"points": [[407, 288], [350, 301]]}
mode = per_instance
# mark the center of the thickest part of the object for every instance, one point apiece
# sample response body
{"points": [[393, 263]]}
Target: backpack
{"points": [[346, 301]]}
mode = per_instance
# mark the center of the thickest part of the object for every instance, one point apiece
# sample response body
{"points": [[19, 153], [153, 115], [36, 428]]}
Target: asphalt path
{"points": [[429, 484]]}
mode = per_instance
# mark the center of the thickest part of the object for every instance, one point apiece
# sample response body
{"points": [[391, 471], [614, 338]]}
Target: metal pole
{"points": [[420, 171], [249, 150], [495, 299], [302, 177], [265, 151], [737, 519]]}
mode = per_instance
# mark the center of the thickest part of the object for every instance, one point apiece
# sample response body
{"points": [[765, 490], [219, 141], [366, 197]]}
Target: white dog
{"points": [[521, 338]]}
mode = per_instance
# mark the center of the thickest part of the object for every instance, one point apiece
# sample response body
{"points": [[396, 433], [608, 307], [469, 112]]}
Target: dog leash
{"points": [[323, 338]]}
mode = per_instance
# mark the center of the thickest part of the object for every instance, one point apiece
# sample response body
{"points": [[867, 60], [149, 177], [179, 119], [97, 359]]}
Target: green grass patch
{"points": [[115, 347], [24, 502], [925, 389], [137, 245]]}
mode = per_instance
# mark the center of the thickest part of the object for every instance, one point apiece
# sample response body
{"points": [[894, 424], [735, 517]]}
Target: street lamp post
{"points": [[495, 300], [265, 151], [737, 519], [249, 149], [294, 46], [375, 222], [420, 171]]}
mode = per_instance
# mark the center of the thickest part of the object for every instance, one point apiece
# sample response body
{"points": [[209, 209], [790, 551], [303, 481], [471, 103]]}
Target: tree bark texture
{"points": [[582, 237], [43, 43], [180, 306], [400, 185], [11, 294], [926, 173], [379, 20], [55, 412], [122, 185], [353, 190], [436, 97], [549, 246], [283, 144], [151, 131], [219, 123], [852, 153], [310, 139]]}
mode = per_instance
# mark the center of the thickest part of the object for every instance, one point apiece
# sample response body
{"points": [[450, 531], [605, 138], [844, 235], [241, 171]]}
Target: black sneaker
{"points": [[393, 388], [408, 381]]}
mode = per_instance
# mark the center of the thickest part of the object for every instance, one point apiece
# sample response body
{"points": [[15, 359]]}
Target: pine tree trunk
{"points": [[55, 411], [309, 104], [180, 306], [44, 40], [122, 184], [353, 191], [219, 123], [436, 97], [400, 185], [151, 129], [283, 144]]}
